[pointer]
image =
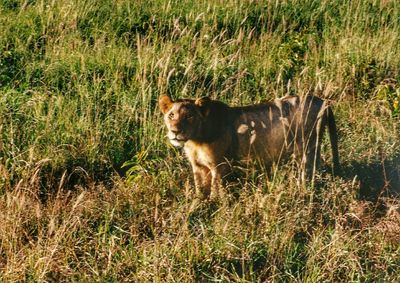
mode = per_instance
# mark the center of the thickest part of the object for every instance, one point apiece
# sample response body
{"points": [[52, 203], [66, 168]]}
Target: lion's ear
{"points": [[203, 104], [165, 102], [202, 101]]}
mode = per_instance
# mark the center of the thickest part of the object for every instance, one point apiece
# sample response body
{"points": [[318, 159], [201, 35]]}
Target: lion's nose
{"points": [[174, 131]]}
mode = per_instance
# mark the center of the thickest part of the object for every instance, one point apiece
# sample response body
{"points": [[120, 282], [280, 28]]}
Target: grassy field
{"points": [[90, 189]]}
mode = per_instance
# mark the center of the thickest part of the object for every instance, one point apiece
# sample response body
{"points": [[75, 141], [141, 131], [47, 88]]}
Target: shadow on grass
{"points": [[380, 178]]}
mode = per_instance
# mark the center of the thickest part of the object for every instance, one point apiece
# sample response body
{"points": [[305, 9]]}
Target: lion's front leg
{"points": [[202, 180], [217, 175]]}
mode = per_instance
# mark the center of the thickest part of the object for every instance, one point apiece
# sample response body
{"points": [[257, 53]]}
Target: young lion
{"points": [[213, 134]]}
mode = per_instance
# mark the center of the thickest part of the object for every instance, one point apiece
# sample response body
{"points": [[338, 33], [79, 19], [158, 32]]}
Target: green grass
{"points": [[79, 82]]}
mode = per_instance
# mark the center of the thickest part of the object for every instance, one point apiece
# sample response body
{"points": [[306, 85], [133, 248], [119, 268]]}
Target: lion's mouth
{"points": [[178, 142], [179, 139]]}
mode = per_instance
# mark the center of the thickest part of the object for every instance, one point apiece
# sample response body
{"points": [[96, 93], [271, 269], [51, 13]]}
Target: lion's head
{"points": [[184, 118]]}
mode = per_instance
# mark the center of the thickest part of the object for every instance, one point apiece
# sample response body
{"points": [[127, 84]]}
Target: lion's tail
{"points": [[334, 140]]}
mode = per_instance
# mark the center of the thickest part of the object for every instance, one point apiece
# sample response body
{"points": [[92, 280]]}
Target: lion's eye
{"points": [[171, 116]]}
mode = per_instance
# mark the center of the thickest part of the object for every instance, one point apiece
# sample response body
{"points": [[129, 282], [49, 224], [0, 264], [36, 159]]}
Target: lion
{"points": [[214, 134]]}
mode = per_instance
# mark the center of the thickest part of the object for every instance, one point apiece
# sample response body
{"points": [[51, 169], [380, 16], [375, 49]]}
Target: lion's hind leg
{"points": [[312, 152]]}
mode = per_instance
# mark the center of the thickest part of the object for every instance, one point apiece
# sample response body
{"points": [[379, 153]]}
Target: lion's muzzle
{"points": [[176, 139]]}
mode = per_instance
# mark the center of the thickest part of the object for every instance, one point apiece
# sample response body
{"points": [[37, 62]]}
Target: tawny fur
{"points": [[214, 134]]}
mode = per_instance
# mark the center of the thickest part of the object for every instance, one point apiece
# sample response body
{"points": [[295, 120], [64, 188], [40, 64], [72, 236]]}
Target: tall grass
{"points": [[79, 81]]}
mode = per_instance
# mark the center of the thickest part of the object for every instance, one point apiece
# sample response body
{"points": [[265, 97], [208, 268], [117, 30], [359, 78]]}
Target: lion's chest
{"points": [[208, 155]]}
